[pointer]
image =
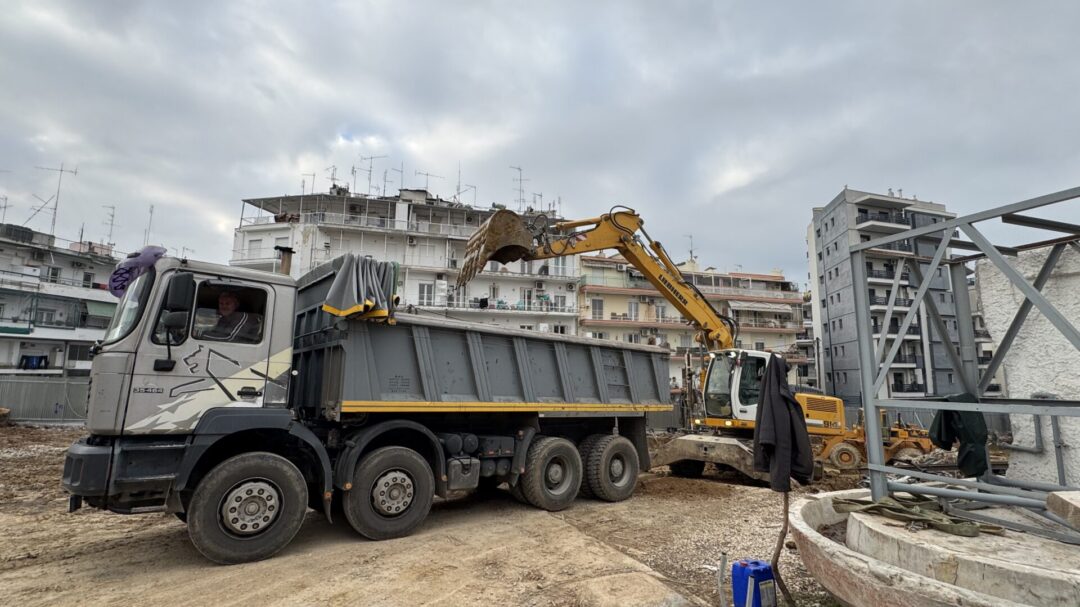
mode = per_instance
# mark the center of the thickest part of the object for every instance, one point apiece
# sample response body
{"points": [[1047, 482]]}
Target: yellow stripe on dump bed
{"points": [[395, 406]]}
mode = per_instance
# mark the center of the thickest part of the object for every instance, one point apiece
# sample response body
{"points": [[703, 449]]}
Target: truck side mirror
{"points": [[181, 293], [174, 320]]}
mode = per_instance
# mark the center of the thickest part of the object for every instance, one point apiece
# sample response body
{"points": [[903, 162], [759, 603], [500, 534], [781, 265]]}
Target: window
{"points": [[129, 308], [78, 352], [526, 327], [950, 378], [832, 222], [942, 296], [597, 309], [840, 323], [52, 274], [224, 312], [88, 280], [254, 245], [560, 329], [845, 377], [426, 294], [828, 376], [600, 335], [560, 303], [753, 370], [843, 351], [738, 343], [759, 345], [632, 309], [45, 317], [818, 232], [281, 242], [661, 312], [633, 338], [819, 256]]}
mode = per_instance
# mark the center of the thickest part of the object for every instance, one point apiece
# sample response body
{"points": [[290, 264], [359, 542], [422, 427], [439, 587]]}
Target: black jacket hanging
{"points": [[968, 427], [781, 443]]}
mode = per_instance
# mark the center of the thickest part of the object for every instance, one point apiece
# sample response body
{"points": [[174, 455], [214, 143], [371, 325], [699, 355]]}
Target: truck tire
{"points": [[393, 488], [552, 474], [585, 448], [611, 468], [846, 457], [687, 468], [247, 508]]}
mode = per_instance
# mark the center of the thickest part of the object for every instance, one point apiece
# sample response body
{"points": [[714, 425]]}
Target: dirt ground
{"points": [[659, 548]]}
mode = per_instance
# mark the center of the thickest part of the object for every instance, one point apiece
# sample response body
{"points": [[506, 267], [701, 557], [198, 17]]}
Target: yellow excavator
{"points": [[731, 382]]}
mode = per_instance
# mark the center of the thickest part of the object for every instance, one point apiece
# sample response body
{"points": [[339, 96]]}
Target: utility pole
{"points": [[110, 220], [56, 201], [370, 166], [149, 223], [427, 179], [520, 188]]}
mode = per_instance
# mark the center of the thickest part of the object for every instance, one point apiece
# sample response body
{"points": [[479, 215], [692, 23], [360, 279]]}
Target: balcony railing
{"points": [[984, 333], [985, 360], [804, 336], [900, 302], [769, 324], [256, 254], [896, 218], [896, 246], [639, 319], [912, 330], [620, 282], [908, 388], [907, 359], [887, 274], [521, 306]]}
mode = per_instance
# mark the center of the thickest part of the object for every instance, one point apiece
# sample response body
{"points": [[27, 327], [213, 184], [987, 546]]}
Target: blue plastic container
{"points": [[752, 584]]}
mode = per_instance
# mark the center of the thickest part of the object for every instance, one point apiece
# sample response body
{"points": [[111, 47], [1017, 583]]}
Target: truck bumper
{"points": [[122, 474]]}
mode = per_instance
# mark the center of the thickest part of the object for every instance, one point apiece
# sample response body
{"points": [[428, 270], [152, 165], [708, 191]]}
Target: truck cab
{"points": [[187, 338]]}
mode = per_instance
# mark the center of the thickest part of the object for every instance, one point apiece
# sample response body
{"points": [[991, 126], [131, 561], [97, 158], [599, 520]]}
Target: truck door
{"points": [[215, 355]]}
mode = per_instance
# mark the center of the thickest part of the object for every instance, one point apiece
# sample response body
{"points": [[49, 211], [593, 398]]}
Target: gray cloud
{"points": [[728, 121]]}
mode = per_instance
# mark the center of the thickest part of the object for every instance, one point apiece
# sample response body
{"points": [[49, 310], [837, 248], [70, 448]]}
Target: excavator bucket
{"points": [[502, 238]]}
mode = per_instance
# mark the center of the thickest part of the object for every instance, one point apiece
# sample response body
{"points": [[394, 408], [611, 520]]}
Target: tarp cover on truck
{"points": [[363, 287]]}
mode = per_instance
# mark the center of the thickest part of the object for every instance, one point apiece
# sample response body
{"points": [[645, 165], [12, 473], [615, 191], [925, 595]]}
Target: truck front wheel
{"points": [[247, 508], [392, 491]]}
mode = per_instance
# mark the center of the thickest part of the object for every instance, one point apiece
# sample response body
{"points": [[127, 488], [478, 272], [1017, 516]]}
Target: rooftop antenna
{"points": [[427, 179], [541, 197], [691, 237], [384, 173], [457, 190], [149, 222], [110, 220], [520, 187], [56, 201], [312, 175], [353, 171], [401, 177], [44, 203], [474, 188], [3, 209], [370, 166], [333, 174], [462, 189]]}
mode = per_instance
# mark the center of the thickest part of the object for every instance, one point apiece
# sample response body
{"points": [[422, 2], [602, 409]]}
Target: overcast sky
{"points": [[727, 121]]}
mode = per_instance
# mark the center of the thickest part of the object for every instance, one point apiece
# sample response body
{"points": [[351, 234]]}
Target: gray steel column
{"points": [[867, 366], [964, 327]]}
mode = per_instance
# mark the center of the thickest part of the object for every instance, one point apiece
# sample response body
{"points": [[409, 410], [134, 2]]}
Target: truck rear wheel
{"points": [[247, 508], [393, 488], [611, 468], [584, 449], [687, 468], [552, 474]]}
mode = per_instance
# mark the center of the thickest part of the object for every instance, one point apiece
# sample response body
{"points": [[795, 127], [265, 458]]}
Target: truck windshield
{"points": [[130, 308], [718, 388]]}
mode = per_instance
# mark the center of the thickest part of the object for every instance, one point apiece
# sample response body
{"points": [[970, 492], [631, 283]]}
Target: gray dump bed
{"points": [[429, 363]]}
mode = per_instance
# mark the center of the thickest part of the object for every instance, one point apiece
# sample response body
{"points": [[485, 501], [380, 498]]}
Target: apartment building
{"points": [[54, 302], [808, 345], [921, 366], [427, 236], [618, 303]]}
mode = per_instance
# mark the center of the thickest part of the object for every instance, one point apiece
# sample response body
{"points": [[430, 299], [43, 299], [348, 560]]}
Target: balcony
{"points": [[804, 337], [982, 334], [907, 359], [985, 360], [912, 331], [901, 302], [883, 221], [908, 388], [896, 247], [627, 320], [769, 324], [993, 388], [886, 275], [533, 307]]}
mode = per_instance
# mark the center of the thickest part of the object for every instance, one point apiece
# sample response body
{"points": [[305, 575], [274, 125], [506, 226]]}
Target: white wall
{"points": [[1041, 359]]}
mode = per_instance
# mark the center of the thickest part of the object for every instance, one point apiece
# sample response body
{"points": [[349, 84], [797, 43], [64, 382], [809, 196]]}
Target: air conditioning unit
{"points": [[570, 286], [620, 267], [644, 299], [412, 241], [645, 333], [540, 285], [78, 264]]}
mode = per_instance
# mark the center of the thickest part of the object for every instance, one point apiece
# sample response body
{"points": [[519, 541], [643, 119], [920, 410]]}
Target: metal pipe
{"points": [[926, 476], [1038, 448], [1007, 500], [1055, 430], [994, 479]]}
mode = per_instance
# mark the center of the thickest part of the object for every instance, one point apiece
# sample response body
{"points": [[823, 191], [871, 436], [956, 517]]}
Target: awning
{"points": [[363, 286], [100, 308], [757, 306]]}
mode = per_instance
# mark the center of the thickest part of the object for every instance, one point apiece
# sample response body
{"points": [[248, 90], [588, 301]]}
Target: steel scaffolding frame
{"points": [[989, 489]]}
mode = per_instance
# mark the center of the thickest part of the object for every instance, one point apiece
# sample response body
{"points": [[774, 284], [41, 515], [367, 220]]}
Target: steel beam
{"points": [[1019, 318], [926, 476], [1036, 222], [880, 350], [1007, 500], [875, 451], [946, 342], [1023, 205], [965, 330], [1049, 311], [988, 405]]}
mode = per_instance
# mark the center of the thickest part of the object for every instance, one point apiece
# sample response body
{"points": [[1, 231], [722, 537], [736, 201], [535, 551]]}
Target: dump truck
{"points": [[237, 399]]}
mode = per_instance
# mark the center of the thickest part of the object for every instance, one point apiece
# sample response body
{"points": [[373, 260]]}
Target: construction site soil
{"points": [[664, 542]]}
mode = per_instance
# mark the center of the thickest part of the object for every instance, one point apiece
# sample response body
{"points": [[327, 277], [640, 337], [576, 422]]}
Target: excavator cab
{"points": [[733, 387]]}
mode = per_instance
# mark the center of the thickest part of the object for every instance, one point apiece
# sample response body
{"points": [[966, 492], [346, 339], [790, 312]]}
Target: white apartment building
{"points": [[427, 236], [54, 302]]}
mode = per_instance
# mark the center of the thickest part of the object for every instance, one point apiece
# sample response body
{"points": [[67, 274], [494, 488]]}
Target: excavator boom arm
{"points": [[506, 237]]}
